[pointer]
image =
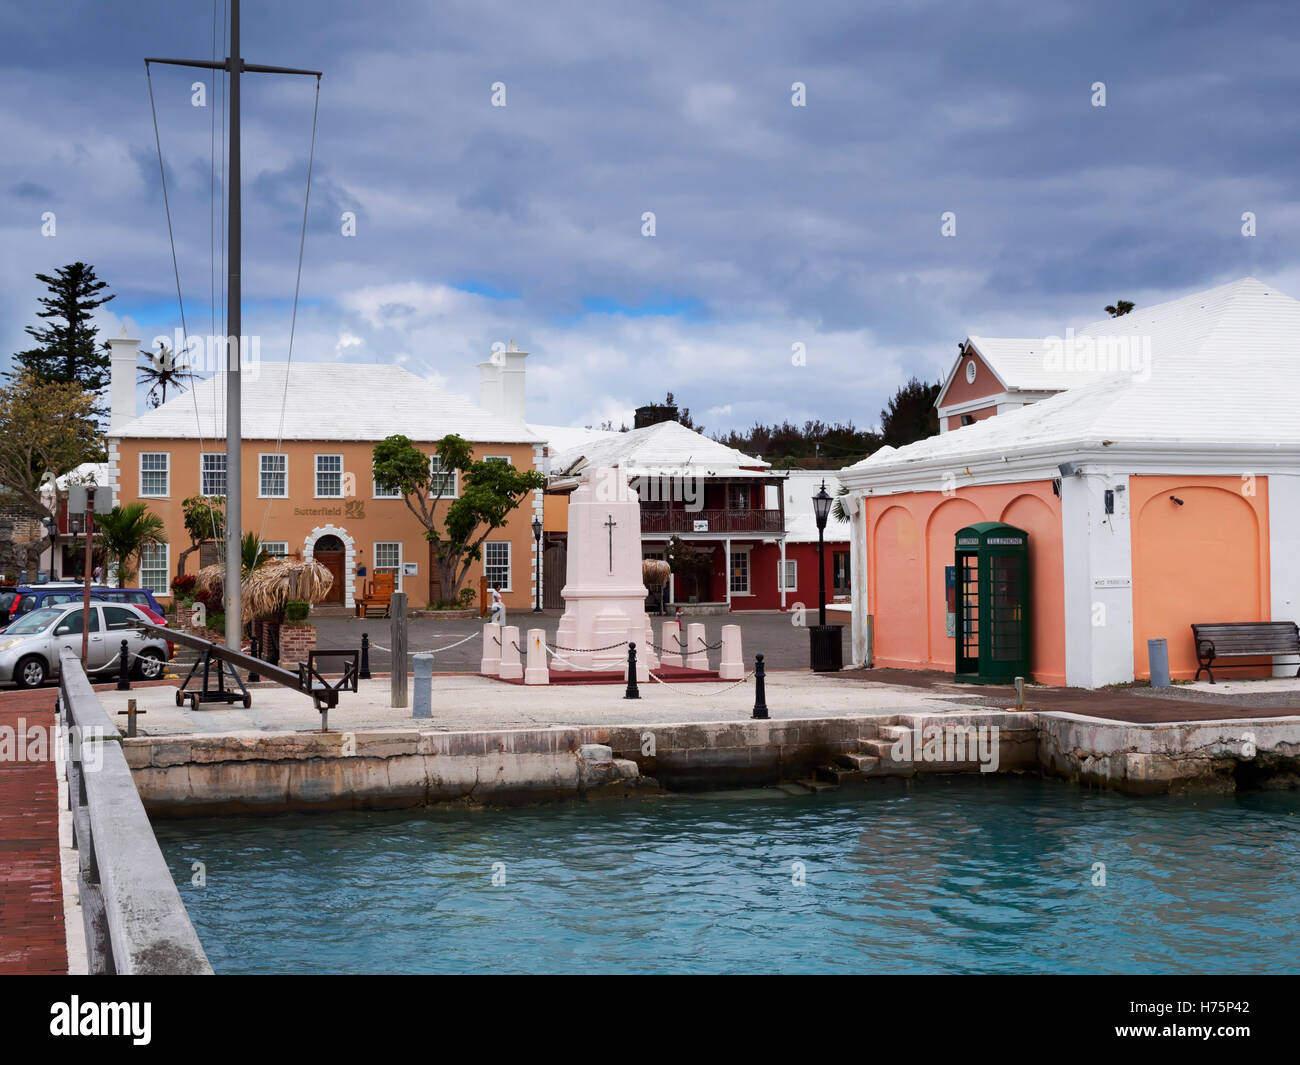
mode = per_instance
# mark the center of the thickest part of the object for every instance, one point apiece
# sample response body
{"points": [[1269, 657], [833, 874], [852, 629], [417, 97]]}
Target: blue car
{"points": [[28, 597]]}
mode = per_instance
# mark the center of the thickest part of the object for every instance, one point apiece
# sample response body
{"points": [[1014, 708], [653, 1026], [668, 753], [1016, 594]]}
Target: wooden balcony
{"points": [[734, 522]]}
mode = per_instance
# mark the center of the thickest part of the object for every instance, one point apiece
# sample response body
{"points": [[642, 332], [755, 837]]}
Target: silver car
{"points": [[29, 648]]}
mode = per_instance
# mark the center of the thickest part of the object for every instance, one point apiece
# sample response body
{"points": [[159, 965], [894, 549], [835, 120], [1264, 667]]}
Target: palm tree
{"points": [[1119, 307], [252, 555], [125, 531], [159, 371]]}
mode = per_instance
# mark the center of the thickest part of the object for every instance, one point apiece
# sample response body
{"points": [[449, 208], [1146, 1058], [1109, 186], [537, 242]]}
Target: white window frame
{"points": [[455, 480], [508, 586], [166, 472], [225, 474], [377, 494], [499, 458], [166, 589], [784, 568], [376, 567], [283, 544], [317, 471], [749, 572], [261, 473]]}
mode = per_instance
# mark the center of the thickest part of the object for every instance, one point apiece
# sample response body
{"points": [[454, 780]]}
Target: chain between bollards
{"points": [[364, 673], [124, 669], [633, 692], [760, 689]]}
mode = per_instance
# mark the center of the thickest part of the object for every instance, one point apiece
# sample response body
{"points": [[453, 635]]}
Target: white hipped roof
{"points": [[667, 449], [1212, 375], [327, 401], [561, 438]]}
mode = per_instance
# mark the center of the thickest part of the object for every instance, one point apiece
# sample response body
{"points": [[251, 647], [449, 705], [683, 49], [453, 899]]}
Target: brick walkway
{"points": [[31, 893]]}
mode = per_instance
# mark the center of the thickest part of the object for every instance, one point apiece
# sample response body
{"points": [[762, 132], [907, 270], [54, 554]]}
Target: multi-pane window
{"points": [[497, 458], [383, 491], [273, 476], [739, 571], [789, 573], [840, 568], [496, 563], [212, 473], [275, 548], [388, 559], [738, 496], [154, 567], [329, 476], [442, 482], [155, 473]]}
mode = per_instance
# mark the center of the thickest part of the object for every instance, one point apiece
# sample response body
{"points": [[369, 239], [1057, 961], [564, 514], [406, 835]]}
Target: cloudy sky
{"points": [[775, 225]]}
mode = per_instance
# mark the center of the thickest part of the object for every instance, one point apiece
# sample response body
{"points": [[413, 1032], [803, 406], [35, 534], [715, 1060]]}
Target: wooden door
{"points": [[332, 561]]}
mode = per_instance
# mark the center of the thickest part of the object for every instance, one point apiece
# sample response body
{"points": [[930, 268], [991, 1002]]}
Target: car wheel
{"points": [[149, 664], [31, 672]]}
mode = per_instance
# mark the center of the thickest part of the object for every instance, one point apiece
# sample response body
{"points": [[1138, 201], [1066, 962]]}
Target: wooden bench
{"points": [[1243, 639], [378, 595]]}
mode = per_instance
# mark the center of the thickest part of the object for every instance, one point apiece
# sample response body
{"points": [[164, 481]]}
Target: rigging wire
{"points": [[297, 286]]}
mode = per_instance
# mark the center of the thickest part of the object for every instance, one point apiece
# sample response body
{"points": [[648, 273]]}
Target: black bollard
{"points": [[365, 656], [760, 689], [253, 650], [124, 669], [633, 692]]}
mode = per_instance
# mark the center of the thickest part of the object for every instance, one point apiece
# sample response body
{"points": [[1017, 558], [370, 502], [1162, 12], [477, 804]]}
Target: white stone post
{"points": [[511, 667], [671, 641], [732, 665], [696, 656], [491, 661], [536, 673]]}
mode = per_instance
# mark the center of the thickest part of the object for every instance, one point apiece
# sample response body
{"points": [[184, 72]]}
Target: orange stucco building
{"points": [[1158, 478], [307, 482]]}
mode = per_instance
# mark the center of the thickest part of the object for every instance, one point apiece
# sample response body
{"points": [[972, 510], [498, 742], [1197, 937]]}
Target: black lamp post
{"points": [[537, 539], [822, 511], [52, 531]]}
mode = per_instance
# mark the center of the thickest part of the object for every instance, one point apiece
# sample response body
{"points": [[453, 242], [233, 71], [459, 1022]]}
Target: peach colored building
{"points": [[1158, 478], [308, 488]]}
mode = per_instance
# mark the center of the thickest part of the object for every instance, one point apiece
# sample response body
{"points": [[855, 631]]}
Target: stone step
{"points": [[816, 786], [836, 774], [863, 764], [791, 788], [886, 764]]}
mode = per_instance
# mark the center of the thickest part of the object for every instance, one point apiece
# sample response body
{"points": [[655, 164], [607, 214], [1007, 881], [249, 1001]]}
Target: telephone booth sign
{"points": [[992, 603]]}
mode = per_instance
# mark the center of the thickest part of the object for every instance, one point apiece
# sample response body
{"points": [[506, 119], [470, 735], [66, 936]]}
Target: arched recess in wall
{"points": [[1047, 584], [896, 582], [950, 515], [1194, 562]]}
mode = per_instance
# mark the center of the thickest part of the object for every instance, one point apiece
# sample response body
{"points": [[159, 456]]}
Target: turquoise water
{"points": [[968, 874]]}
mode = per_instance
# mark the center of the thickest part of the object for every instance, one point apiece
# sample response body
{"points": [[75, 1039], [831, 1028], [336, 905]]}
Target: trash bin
{"points": [[826, 648], [1158, 657]]}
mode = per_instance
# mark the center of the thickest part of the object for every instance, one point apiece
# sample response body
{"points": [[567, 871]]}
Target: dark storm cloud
{"points": [[775, 225]]}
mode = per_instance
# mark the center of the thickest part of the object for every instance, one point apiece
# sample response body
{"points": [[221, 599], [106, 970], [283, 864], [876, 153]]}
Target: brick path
{"points": [[31, 893]]}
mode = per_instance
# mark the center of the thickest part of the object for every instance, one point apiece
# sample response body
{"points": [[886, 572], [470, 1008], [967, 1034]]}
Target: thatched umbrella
{"points": [[654, 575], [271, 585]]}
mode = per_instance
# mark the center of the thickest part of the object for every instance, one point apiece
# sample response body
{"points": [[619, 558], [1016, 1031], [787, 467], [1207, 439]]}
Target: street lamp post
{"points": [[537, 539], [52, 531], [822, 510]]}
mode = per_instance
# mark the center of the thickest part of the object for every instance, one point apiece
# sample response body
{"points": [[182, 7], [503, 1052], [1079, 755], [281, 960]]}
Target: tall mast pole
{"points": [[234, 349], [234, 65]]}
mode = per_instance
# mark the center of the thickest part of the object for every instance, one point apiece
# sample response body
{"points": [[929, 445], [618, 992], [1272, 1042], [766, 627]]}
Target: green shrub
{"points": [[466, 598], [296, 611], [217, 623]]}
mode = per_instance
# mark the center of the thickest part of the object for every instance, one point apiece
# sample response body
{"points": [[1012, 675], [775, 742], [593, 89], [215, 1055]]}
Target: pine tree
{"points": [[67, 350], [911, 414]]}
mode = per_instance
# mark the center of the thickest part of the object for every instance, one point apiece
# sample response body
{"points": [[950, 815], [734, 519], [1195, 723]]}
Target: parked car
{"points": [[29, 597], [30, 646]]}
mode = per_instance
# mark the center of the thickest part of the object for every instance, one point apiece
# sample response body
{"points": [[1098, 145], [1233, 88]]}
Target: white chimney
{"points": [[121, 387], [513, 400], [501, 384]]}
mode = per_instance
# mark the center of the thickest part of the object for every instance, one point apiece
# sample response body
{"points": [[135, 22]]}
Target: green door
{"points": [[993, 603]]}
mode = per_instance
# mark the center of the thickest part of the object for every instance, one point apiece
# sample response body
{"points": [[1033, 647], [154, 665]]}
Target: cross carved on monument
{"points": [[611, 525]]}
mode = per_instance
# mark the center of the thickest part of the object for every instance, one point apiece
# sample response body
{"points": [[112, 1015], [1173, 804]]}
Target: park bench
{"points": [[378, 595], [1243, 639]]}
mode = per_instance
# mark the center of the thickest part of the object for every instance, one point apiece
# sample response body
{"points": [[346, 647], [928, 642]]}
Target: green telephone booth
{"points": [[992, 603]]}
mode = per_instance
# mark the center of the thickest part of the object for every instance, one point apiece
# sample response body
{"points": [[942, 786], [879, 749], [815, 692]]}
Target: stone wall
{"points": [[22, 539]]}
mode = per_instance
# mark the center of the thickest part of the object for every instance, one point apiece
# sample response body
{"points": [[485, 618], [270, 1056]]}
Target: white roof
{"points": [[562, 438], [665, 449], [1021, 365], [1215, 371], [327, 401], [800, 523]]}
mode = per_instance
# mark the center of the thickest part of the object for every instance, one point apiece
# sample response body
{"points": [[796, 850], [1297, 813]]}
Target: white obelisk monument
{"points": [[604, 597]]}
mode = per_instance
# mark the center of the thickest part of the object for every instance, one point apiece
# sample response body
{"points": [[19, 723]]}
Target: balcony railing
{"points": [[711, 521]]}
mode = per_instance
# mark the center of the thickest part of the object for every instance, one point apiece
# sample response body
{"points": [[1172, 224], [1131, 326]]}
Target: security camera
{"points": [[1068, 469]]}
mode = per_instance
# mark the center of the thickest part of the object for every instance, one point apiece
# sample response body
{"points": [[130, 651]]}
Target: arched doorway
{"points": [[330, 553]]}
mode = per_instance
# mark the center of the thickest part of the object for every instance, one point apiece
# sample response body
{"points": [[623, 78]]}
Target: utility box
{"points": [[992, 562]]}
